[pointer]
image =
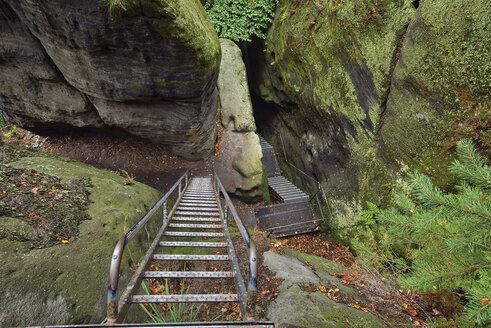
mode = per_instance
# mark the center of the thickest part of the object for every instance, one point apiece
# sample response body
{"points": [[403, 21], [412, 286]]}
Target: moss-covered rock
{"points": [[326, 67], [67, 283], [239, 163], [442, 76], [364, 91], [299, 301]]}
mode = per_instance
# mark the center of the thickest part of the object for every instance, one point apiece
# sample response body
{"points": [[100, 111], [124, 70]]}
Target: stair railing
{"points": [[229, 208], [320, 189], [115, 311]]}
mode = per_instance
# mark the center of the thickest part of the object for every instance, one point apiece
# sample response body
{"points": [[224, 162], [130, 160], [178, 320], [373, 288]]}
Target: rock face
{"points": [[239, 161], [67, 283], [442, 74], [151, 71], [297, 306], [358, 100]]}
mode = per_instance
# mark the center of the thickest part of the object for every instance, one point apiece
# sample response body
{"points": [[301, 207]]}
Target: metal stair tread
{"points": [[188, 274], [197, 213], [193, 244], [193, 234], [186, 298], [189, 257], [195, 226], [202, 219]]}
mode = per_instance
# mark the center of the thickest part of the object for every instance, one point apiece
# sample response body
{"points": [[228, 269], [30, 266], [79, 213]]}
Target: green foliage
{"points": [[10, 132], [3, 121], [117, 8], [239, 20], [444, 237], [176, 312]]}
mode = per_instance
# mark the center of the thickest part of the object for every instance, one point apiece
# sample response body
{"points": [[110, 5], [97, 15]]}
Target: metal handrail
{"points": [[319, 185], [112, 289], [252, 283]]}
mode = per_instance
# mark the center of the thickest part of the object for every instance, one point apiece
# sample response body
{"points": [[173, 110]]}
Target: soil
{"points": [[53, 210]]}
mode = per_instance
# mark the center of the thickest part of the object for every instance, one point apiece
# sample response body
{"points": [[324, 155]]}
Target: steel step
{"points": [[196, 226], [186, 298], [295, 198], [179, 218], [189, 257], [198, 213], [290, 192], [197, 208], [199, 198], [187, 203], [193, 234], [192, 244], [188, 274], [286, 189]]}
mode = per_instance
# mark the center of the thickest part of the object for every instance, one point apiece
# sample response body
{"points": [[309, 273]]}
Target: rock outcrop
{"points": [[151, 71], [239, 160], [362, 93], [440, 84], [298, 305], [66, 283]]}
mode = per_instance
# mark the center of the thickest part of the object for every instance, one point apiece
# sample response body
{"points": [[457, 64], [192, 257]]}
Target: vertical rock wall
{"points": [[363, 91]]}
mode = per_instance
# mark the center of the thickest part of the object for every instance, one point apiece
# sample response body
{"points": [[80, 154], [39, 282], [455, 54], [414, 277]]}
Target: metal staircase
{"points": [[294, 215], [201, 212]]}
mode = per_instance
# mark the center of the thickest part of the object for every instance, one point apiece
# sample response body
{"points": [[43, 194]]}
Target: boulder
{"points": [[150, 69], [66, 283], [299, 304], [239, 159]]}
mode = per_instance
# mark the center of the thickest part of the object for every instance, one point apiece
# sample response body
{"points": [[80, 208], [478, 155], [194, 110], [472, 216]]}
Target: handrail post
{"points": [[112, 288], [164, 217]]}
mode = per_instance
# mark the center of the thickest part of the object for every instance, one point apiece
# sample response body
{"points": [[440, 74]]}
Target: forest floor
{"points": [[153, 165]]}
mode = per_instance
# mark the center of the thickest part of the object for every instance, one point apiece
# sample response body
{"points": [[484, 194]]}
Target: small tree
{"points": [[446, 237]]}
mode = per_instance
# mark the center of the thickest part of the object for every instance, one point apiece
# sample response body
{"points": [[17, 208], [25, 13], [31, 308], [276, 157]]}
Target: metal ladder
{"points": [[197, 213]]}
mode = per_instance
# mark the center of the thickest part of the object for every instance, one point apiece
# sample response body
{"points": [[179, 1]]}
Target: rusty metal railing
{"points": [[116, 310], [250, 294]]}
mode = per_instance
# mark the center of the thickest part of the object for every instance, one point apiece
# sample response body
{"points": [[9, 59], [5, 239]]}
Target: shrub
{"points": [[239, 20]]}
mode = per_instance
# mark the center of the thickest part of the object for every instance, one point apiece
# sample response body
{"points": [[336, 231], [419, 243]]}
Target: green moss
{"points": [[74, 275], [184, 21]]}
